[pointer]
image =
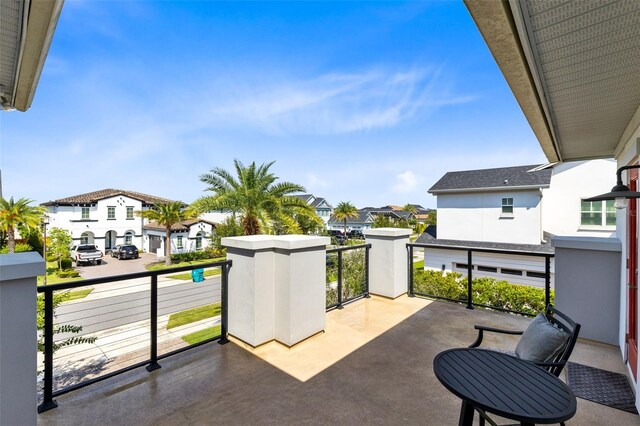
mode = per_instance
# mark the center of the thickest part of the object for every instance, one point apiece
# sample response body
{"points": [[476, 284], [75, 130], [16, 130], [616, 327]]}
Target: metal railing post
{"points": [[469, 280], [366, 272], [153, 361], [47, 401], [547, 281], [224, 294], [340, 280], [410, 272]]}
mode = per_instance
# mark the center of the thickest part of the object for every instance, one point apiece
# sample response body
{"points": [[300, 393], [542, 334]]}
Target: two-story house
{"points": [[517, 208], [321, 205], [107, 218]]}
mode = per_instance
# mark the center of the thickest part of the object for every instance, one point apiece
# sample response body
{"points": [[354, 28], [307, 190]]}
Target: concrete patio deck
{"points": [[385, 376]]}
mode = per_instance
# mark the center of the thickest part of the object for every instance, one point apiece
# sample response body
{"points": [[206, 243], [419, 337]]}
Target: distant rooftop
{"points": [[532, 176]]}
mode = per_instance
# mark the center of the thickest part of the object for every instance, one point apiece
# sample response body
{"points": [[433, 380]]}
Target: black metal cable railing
{"points": [[451, 284], [347, 275], [126, 319]]}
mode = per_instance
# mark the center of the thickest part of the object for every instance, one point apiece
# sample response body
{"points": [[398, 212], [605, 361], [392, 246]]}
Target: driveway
{"points": [[112, 266]]}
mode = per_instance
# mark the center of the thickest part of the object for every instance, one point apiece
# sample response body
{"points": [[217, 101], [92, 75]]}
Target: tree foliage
{"points": [[58, 298], [230, 227], [59, 245], [167, 215], [262, 204], [18, 214]]}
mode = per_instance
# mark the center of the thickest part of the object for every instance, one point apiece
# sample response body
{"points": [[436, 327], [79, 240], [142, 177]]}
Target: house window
{"points": [[129, 212], [111, 213], [597, 213], [507, 205], [128, 237], [511, 271], [85, 213], [534, 274], [199, 241], [179, 242], [487, 269], [84, 238]]}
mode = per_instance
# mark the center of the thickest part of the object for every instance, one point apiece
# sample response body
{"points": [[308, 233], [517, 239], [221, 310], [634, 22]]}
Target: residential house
{"points": [[321, 205], [517, 208], [188, 235], [107, 218], [573, 73], [366, 217]]}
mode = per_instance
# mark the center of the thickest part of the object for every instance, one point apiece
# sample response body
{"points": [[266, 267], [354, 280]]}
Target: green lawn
{"points": [[187, 275], [201, 335], [160, 265], [193, 315], [79, 294], [52, 278], [419, 264]]}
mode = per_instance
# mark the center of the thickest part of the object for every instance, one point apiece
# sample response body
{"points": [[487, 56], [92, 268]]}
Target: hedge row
{"points": [[485, 291], [208, 253]]}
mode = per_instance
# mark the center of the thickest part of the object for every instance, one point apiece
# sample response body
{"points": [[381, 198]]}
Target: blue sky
{"points": [[364, 102]]}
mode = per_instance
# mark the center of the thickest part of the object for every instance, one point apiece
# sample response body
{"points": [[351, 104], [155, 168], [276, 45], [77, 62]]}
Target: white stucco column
{"points": [[18, 336], [276, 287], [388, 261]]}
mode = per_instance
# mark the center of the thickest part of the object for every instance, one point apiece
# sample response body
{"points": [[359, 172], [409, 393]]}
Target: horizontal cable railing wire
{"points": [[138, 351], [347, 275], [467, 297]]}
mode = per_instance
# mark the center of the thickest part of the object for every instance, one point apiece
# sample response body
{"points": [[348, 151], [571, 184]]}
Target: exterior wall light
{"points": [[620, 193]]}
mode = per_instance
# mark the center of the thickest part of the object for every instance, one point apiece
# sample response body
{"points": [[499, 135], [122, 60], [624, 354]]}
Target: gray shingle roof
{"points": [[499, 178], [425, 238]]}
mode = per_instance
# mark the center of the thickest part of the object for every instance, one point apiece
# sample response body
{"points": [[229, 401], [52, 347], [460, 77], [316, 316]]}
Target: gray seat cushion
{"points": [[541, 341]]}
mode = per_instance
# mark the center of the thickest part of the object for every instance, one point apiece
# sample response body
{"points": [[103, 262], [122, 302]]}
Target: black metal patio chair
{"points": [[559, 358]]}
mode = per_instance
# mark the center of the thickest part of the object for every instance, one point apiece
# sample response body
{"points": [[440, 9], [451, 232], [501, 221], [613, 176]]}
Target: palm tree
{"points": [[409, 208], [344, 211], [14, 214], [255, 196], [167, 215]]}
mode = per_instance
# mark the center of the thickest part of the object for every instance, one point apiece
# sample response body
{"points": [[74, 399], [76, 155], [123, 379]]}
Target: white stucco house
{"points": [[366, 217], [188, 235], [107, 218], [517, 208]]}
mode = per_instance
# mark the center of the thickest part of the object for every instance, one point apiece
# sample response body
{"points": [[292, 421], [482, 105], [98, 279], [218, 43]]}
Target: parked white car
{"points": [[86, 253]]}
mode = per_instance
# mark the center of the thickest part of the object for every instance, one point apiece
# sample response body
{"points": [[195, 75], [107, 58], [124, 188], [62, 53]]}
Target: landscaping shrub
{"points": [[353, 275], [486, 291], [52, 258], [190, 256], [19, 248], [67, 273], [66, 263]]}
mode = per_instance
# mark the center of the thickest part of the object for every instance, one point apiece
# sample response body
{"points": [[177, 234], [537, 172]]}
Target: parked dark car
{"points": [[127, 251]]}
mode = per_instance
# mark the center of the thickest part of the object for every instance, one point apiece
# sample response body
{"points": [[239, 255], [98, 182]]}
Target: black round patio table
{"points": [[504, 385]]}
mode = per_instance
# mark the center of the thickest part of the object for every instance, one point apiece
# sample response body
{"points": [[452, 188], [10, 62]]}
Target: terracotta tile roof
{"points": [[93, 197], [181, 226]]}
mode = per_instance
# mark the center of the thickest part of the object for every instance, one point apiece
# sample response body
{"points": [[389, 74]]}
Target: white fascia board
{"points": [[489, 189]]}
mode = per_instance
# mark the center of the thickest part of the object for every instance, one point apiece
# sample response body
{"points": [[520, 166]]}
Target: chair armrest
{"points": [[497, 330], [481, 329]]}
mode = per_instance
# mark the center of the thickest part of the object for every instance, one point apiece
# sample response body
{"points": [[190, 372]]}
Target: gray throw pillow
{"points": [[541, 341]]}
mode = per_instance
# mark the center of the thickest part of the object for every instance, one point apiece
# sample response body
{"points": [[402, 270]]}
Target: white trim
{"points": [[487, 189]]}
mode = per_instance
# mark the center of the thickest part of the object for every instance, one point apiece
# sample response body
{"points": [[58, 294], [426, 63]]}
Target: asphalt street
{"points": [[97, 314]]}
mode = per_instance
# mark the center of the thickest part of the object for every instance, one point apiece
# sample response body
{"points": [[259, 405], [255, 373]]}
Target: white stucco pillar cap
{"points": [[388, 232], [17, 266], [285, 242]]}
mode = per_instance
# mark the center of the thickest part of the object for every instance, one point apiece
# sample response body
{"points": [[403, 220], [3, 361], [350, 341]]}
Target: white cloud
{"points": [[332, 103], [405, 182]]}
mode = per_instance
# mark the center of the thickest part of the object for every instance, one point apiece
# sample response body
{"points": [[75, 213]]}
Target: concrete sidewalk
{"points": [[117, 348]]}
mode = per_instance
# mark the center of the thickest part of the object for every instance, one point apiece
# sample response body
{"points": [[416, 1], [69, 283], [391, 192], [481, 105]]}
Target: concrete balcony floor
{"points": [[373, 365]]}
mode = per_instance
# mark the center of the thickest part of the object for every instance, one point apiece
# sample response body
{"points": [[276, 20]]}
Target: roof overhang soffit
{"points": [[502, 27]]}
